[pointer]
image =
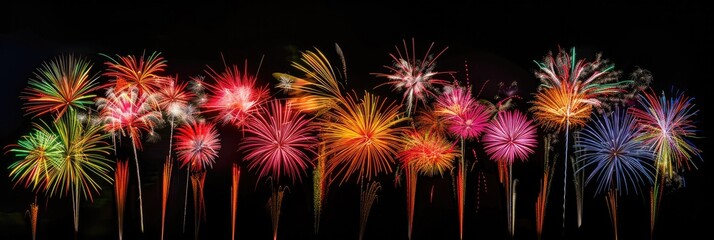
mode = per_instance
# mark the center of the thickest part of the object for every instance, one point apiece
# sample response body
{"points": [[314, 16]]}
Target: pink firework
{"points": [[129, 112], [464, 116], [234, 97], [509, 137], [280, 138], [197, 145]]}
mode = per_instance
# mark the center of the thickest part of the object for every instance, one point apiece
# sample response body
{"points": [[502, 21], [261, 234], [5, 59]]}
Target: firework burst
{"points": [[319, 90], [668, 128], [40, 154], [362, 137], [234, 97], [509, 137], [415, 76], [60, 85], [429, 153], [142, 73], [197, 145], [174, 100], [279, 142], [611, 149]]}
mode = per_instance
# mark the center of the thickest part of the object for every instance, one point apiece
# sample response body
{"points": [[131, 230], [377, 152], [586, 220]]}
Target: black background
{"points": [[499, 41]]}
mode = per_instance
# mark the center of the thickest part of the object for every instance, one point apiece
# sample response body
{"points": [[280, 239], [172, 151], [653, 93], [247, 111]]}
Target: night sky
{"points": [[499, 41]]}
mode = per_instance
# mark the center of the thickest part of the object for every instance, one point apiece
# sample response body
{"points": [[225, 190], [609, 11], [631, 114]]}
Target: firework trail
{"points": [[60, 85], [166, 184], [508, 137], [130, 112], [121, 181], [367, 197], [274, 204], [319, 184], [548, 170], [668, 129], [198, 180], [415, 76], [33, 218], [234, 198], [617, 159], [143, 73]]}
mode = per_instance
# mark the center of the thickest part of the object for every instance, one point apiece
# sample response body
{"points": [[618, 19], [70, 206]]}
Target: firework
{"points": [[130, 112], [197, 145], [319, 90], [367, 197], [121, 181], [279, 142], [82, 162], [557, 109], [668, 128], [508, 137], [611, 149], [142, 73], [415, 76], [40, 154], [362, 137], [234, 97], [174, 100], [618, 160], [60, 85], [430, 120], [429, 153]]}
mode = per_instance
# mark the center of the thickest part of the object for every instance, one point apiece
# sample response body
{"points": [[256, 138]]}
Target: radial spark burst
{"points": [[362, 137], [668, 129], [279, 142], [557, 108], [510, 136], [465, 117], [197, 145], [60, 85], [39, 154], [234, 97], [174, 100], [129, 112], [428, 153], [143, 73], [415, 76], [610, 148]]}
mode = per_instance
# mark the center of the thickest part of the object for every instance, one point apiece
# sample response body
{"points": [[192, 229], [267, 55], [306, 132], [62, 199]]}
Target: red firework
{"points": [[197, 145], [234, 96]]}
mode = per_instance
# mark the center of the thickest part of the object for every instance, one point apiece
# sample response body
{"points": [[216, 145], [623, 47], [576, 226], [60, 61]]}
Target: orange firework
{"points": [[319, 90], [362, 137], [142, 73], [430, 120], [121, 180], [198, 180], [555, 108], [429, 153]]}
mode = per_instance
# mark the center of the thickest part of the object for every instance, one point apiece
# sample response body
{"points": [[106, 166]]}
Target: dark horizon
{"points": [[498, 41]]}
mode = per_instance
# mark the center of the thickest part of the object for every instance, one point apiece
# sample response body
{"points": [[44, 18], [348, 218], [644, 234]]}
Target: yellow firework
{"points": [[554, 107], [362, 137]]}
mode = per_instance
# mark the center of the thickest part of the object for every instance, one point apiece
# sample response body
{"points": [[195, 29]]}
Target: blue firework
{"points": [[610, 149]]}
